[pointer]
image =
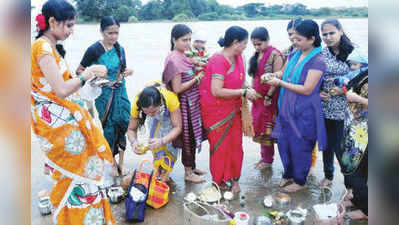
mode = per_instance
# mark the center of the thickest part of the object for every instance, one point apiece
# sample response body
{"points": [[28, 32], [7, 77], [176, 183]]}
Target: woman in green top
{"points": [[113, 105]]}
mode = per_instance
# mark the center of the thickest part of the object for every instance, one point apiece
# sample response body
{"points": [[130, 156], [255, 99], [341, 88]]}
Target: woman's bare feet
{"points": [[262, 165], [114, 172], [224, 187], [349, 195], [284, 182], [236, 188], [199, 172], [194, 178], [347, 203], [122, 170], [325, 182], [357, 215], [293, 188], [164, 176]]}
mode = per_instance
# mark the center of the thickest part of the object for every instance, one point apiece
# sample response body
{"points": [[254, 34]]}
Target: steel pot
{"points": [[262, 220], [45, 206], [115, 194]]}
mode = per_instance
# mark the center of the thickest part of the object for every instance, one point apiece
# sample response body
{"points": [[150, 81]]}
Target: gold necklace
{"points": [[105, 46]]}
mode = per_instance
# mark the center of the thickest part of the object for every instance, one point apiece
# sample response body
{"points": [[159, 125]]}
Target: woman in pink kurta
{"points": [[266, 59], [221, 90]]}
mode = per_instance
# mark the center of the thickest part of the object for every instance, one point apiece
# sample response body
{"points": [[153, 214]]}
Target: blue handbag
{"points": [[135, 210]]}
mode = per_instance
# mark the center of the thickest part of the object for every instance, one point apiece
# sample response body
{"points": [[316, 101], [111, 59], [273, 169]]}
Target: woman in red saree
{"points": [[221, 90], [266, 59]]}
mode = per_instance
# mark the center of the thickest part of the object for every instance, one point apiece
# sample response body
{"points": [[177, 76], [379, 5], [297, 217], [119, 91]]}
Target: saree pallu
{"points": [[191, 138], [160, 126], [75, 149]]}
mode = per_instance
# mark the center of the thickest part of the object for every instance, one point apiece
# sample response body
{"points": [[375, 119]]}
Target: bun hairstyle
{"points": [[309, 28], [232, 34], [261, 34], [62, 11], [178, 31], [345, 45]]}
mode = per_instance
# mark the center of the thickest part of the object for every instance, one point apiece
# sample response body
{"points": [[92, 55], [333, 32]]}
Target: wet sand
{"points": [[255, 185]]}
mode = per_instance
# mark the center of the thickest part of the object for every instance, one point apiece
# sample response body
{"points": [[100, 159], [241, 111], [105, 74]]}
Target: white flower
{"points": [[45, 144], [75, 142], [94, 216], [101, 148], [360, 135], [77, 115], [94, 167]]}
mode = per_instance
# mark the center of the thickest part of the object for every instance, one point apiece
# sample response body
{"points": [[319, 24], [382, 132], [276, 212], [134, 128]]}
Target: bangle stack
{"points": [[82, 80], [244, 93]]}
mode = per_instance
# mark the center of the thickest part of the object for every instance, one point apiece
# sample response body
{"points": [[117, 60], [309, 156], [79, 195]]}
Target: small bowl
{"points": [[115, 194], [228, 195], [262, 220], [281, 200]]}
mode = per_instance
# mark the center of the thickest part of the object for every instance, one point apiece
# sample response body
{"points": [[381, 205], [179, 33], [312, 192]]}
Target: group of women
{"points": [[292, 104]]}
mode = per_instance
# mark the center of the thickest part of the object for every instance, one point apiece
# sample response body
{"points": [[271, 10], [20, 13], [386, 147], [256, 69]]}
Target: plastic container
{"points": [[241, 218]]}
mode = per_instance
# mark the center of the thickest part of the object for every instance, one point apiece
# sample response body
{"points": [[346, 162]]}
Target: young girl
{"points": [[159, 109]]}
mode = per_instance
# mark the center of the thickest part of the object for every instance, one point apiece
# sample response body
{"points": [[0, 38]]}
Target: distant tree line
{"points": [[188, 10]]}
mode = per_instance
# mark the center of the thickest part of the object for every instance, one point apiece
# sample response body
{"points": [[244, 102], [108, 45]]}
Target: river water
{"points": [[148, 44]]}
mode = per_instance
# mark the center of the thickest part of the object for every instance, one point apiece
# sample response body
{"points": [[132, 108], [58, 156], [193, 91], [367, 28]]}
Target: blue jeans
{"points": [[335, 134]]}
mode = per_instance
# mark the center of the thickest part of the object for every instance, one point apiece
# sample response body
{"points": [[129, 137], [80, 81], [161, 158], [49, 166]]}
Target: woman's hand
{"points": [[95, 71], [274, 81], [154, 143], [251, 94], [199, 77], [127, 72], [135, 147], [324, 96], [267, 101], [353, 97], [337, 91]]}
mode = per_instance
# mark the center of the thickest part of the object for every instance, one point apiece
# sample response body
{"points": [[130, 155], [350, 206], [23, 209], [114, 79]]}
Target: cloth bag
{"points": [[158, 194], [338, 219], [135, 208]]}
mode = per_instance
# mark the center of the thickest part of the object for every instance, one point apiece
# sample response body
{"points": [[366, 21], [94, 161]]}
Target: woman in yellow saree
{"points": [[76, 151]]}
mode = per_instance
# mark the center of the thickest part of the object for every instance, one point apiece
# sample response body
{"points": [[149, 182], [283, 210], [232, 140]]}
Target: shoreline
{"points": [[247, 19]]}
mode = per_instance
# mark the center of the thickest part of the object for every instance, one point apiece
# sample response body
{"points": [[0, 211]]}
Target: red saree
{"points": [[222, 118]]}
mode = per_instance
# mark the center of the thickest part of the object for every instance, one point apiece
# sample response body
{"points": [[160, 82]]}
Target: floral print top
{"points": [[355, 134], [334, 108]]}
